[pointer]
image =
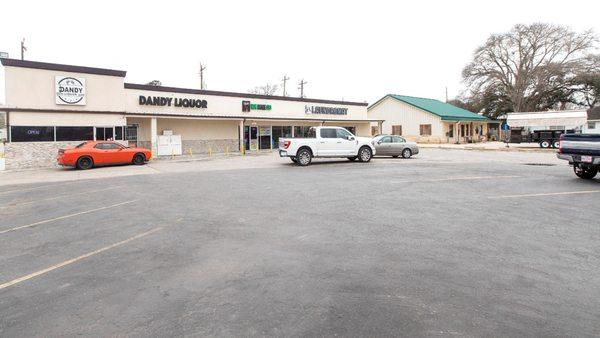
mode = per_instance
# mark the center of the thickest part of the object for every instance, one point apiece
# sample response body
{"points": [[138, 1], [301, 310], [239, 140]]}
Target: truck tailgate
{"points": [[580, 144]]}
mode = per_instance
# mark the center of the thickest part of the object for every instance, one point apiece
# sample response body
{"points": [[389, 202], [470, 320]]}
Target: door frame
{"points": [[259, 135], [257, 139]]}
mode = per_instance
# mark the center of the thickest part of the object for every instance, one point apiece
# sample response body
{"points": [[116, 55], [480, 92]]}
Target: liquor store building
{"points": [[51, 106]]}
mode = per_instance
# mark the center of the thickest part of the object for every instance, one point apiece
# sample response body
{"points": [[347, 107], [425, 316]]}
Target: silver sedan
{"points": [[392, 145]]}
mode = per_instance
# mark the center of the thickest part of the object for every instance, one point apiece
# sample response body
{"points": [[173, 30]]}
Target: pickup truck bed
{"points": [[583, 153]]}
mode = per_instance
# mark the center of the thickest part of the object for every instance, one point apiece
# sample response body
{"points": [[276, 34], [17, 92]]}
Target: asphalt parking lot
{"points": [[496, 244]]}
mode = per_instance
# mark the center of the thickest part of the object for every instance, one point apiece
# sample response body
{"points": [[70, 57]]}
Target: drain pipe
{"points": [[7, 126]]}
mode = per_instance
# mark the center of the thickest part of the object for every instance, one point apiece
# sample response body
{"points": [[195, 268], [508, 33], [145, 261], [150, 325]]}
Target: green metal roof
{"points": [[444, 110]]}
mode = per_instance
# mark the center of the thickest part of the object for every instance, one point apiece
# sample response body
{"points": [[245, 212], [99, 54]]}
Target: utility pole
{"points": [[285, 78], [23, 49], [446, 94], [202, 68], [301, 84]]}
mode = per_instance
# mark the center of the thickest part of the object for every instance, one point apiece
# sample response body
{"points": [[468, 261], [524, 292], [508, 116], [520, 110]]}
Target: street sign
{"points": [[3, 55]]}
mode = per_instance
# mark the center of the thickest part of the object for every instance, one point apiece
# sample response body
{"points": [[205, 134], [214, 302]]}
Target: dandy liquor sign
{"points": [[171, 101], [69, 90]]}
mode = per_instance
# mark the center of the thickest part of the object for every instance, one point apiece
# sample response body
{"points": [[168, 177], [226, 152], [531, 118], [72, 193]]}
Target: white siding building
{"points": [[593, 121], [428, 120]]}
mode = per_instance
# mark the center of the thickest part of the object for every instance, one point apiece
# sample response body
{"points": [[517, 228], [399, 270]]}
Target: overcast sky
{"points": [[348, 50]]}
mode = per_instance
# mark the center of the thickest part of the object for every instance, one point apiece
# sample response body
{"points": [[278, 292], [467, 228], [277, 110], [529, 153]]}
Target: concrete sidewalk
{"points": [[493, 146]]}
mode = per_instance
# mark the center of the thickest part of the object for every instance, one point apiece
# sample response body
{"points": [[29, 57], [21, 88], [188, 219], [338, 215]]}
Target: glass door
{"points": [[131, 135], [265, 137], [253, 138], [246, 137], [277, 133]]}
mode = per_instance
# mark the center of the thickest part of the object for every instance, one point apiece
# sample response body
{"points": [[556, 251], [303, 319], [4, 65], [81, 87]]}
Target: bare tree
{"points": [[587, 82], [267, 89], [154, 83], [528, 68]]}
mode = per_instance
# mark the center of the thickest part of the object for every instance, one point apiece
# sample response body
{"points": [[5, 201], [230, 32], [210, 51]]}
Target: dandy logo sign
{"points": [[70, 90]]}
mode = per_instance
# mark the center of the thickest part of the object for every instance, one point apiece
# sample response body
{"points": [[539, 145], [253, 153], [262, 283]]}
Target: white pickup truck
{"points": [[326, 142]]}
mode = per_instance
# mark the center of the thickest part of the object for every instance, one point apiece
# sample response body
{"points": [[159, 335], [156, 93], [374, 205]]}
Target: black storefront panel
{"points": [[74, 133], [31, 134]]}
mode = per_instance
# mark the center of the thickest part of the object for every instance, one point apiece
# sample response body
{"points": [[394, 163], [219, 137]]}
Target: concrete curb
{"points": [[526, 150], [185, 158]]}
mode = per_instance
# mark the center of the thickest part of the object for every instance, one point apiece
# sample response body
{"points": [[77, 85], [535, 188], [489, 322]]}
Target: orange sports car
{"points": [[97, 153]]}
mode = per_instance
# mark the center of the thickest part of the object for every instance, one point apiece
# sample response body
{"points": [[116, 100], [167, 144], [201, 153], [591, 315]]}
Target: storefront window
{"points": [[265, 137], [131, 132], [304, 131], [31, 134], [62, 133], [279, 132], [118, 133], [297, 131], [104, 133], [74, 133]]}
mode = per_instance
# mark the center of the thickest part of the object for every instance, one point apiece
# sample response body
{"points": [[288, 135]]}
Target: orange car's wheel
{"points": [[139, 159], [85, 163]]}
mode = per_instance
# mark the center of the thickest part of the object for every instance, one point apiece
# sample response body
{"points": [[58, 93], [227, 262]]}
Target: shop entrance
{"points": [[265, 137], [253, 138]]}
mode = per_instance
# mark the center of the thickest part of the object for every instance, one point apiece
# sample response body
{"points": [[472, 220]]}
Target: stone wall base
{"points": [[26, 155], [202, 146], [23, 155], [216, 146]]}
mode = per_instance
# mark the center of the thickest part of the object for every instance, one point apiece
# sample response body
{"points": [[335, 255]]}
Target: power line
{"points": [[301, 84], [285, 78]]}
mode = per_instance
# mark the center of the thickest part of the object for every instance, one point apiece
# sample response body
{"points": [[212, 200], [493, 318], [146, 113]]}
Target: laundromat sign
{"points": [[69, 90], [325, 110], [162, 101]]}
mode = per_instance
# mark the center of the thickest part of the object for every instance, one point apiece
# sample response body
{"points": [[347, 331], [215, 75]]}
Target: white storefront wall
{"points": [[226, 106], [31, 101], [34, 89]]}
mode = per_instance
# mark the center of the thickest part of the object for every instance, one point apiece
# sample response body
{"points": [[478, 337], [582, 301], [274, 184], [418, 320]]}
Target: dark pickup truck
{"points": [[583, 153]]}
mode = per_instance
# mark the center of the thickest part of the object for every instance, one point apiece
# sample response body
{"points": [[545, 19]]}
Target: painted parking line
{"points": [[457, 178], [65, 216], [58, 197], [38, 187], [84, 256], [548, 194], [468, 178], [76, 259]]}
